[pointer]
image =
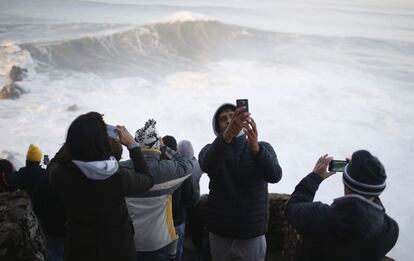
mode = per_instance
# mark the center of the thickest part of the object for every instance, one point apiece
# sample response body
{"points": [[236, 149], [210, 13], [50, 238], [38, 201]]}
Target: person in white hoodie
{"points": [[93, 187], [151, 212]]}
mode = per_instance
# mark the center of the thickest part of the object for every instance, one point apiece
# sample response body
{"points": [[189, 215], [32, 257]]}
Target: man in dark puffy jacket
{"points": [[239, 168], [355, 227]]}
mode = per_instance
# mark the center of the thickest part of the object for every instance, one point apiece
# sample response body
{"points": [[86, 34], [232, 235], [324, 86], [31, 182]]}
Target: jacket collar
{"points": [[358, 197], [30, 163], [151, 153], [239, 140]]}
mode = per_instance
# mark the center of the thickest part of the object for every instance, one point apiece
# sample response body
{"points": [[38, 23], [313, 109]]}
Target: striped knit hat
{"points": [[148, 137], [365, 175]]}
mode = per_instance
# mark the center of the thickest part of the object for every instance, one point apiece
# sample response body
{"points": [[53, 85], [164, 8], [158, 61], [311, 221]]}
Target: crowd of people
{"points": [[93, 205]]}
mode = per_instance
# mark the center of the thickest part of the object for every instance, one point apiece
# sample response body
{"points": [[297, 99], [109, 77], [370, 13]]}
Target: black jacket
{"points": [[183, 199], [238, 198], [98, 223], [9, 182], [49, 209], [28, 177], [351, 229]]}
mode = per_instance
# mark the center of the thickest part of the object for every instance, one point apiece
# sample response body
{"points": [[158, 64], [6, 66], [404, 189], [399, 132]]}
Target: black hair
{"points": [[87, 138], [170, 141], [6, 166]]}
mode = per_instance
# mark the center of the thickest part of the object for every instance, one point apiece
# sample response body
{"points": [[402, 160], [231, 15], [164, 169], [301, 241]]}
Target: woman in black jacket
{"points": [[92, 188]]}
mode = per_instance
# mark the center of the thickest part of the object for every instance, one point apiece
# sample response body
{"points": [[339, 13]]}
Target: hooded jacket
{"points": [[98, 224], [28, 177], [151, 212], [238, 198], [185, 148], [49, 209], [352, 228], [188, 194]]}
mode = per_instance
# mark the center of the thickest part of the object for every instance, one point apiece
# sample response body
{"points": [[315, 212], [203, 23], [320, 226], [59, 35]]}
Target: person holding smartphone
{"points": [[92, 188], [355, 227], [240, 168]]}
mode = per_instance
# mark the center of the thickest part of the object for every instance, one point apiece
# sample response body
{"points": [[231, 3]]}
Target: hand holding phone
{"points": [[125, 137], [45, 159], [337, 165], [321, 167], [112, 131]]}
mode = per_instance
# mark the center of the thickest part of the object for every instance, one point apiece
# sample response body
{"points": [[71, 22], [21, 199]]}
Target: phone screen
{"points": [[45, 159], [243, 103], [337, 165], [112, 131]]}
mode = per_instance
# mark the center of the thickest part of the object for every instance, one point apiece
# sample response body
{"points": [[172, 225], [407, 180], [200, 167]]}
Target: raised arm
{"points": [[263, 153], [268, 164], [305, 215], [138, 179], [178, 166]]}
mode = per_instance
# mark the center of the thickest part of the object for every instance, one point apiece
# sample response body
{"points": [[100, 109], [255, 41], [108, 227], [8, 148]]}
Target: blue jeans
{"points": [[157, 255], [55, 248], [180, 230]]}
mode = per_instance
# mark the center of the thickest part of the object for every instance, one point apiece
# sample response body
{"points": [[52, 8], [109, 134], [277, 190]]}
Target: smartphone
{"points": [[337, 165], [243, 103], [45, 159], [112, 131]]}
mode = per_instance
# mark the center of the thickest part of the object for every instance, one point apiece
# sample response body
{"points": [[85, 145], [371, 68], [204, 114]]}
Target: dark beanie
{"points": [[365, 174], [170, 142]]}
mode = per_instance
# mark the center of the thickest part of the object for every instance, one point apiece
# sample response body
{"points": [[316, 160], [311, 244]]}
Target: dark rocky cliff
{"points": [[20, 234]]}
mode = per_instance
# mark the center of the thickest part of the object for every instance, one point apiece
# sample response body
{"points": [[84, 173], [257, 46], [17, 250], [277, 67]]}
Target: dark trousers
{"points": [[55, 248], [161, 254]]}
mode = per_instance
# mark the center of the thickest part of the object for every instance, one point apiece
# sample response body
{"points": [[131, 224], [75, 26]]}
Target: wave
{"points": [[174, 45], [10, 55], [183, 43]]}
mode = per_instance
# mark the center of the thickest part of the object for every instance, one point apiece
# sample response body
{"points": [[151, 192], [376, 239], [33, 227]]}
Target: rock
{"points": [[21, 237], [17, 74], [281, 237], [11, 91]]}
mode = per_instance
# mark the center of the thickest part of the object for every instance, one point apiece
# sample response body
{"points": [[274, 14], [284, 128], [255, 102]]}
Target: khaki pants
{"points": [[232, 249]]}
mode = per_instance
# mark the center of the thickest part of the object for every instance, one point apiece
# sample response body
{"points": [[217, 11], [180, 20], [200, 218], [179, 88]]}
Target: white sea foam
{"points": [[185, 16], [320, 77]]}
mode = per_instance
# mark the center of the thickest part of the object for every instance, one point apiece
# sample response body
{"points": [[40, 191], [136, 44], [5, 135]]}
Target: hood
{"points": [[98, 170], [216, 114], [356, 217], [185, 148]]}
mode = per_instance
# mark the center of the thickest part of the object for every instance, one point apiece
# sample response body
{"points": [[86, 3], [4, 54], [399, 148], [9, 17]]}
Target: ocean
{"points": [[321, 77]]}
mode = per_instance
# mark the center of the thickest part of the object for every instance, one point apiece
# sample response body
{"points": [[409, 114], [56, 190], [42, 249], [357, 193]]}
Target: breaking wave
{"points": [[146, 49], [159, 49]]}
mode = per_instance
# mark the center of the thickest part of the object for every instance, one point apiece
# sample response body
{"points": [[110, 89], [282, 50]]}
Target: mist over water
{"points": [[321, 77]]}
